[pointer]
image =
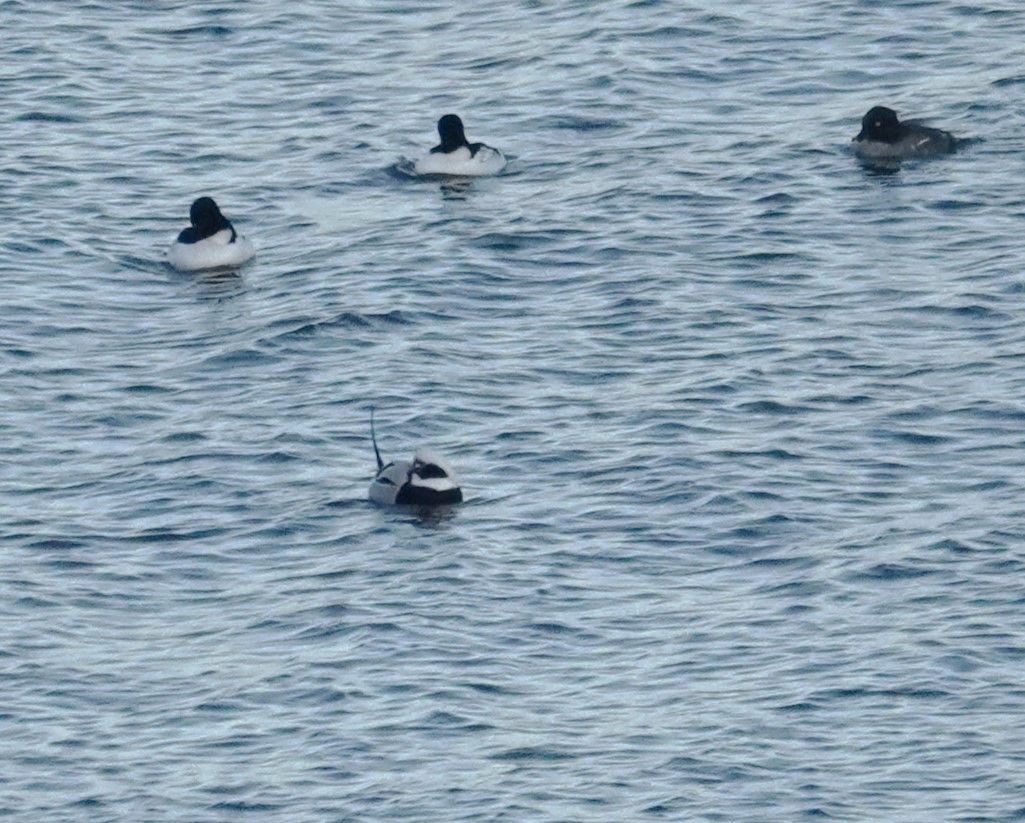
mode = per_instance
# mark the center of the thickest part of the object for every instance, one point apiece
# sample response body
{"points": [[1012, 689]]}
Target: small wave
{"points": [[47, 117]]}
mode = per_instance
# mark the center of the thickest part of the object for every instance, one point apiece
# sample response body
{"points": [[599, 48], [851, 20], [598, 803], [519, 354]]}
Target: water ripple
{"points": [[738, 419]]}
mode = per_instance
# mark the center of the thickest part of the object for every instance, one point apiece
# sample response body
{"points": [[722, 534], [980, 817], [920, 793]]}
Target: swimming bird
{"points": [[457, 156], [426, 481], [210, 242], [884, 136]]}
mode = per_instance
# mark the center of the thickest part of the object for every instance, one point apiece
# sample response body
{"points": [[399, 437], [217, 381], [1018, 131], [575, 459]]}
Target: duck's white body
{"points": [[215, 252], [461, 162]]}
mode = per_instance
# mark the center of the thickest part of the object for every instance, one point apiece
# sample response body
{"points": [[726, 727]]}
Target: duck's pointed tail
{"points": [[373, 439]]}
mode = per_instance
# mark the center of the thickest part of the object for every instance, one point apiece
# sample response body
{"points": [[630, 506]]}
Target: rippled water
{"points": [[739, 420]]}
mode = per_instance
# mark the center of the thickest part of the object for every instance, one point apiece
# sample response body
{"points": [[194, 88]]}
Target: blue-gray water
{"points": [[740, 422]]}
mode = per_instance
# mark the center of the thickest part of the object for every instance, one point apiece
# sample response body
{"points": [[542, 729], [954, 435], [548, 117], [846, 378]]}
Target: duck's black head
{"points": [[880, 124], [206, 216], [450, 127]]}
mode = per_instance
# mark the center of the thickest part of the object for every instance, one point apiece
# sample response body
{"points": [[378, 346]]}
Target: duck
{"points": [[457, 156], [884, 136], [211, 242], [427, 480]]}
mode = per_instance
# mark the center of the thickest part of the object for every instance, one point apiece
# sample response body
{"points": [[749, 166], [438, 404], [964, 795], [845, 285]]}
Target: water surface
{"points": [[738, 419]]}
